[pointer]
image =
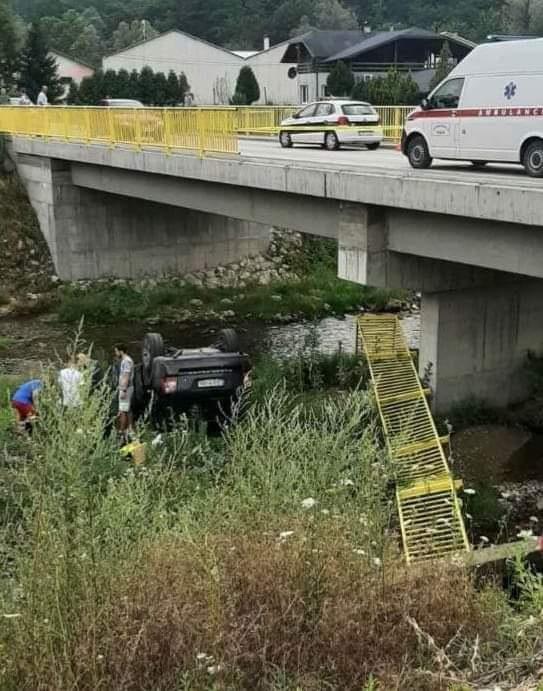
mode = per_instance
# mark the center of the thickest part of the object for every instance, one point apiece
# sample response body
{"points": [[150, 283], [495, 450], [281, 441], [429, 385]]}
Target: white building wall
{"points": [[70, 69], [275, 85], [211, 71]]}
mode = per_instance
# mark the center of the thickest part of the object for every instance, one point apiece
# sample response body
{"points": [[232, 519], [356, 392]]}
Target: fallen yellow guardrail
{"points": [[430, 518]]}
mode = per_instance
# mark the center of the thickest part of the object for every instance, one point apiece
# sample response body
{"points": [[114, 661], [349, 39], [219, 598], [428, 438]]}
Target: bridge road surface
{"points": [[386, 159]]}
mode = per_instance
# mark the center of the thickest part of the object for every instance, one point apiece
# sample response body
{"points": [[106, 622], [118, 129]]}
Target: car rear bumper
{"points": [[352, 135]]}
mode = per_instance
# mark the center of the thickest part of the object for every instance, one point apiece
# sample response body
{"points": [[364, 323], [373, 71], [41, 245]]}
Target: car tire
{"points": [[285, 140], [418, 154], [532, 159], [373, 146], [331, 142], [228, 341], [152, 347]]}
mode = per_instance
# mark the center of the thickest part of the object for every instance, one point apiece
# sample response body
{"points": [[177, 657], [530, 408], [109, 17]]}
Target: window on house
{"points": [[304, 93]]}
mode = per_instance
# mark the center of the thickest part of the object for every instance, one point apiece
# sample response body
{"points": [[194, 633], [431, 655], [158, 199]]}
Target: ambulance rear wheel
{"points": [[417, 153], [532, 158]]}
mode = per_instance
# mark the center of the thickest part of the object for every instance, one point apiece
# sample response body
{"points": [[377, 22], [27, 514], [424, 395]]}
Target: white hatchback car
{"points": [[332, 123]]}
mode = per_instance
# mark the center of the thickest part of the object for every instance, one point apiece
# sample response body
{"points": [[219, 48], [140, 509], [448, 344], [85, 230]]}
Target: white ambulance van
{"points": [[488, 109]]}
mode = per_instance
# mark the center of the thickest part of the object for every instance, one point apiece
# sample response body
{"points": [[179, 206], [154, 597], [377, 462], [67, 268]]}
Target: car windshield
{"points": [[358, 109]]}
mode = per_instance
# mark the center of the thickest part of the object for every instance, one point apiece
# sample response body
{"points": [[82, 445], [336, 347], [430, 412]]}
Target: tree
{"points": [[394, 89], [38, 67], [109, 86], [340, 80], [90, 89], [161, 89], [146, 86], [74, 98], [444, 65], [247, 88], [134, 85], [126, 35], [327, 15], [75, 33], [8, 45], [123, 84]]}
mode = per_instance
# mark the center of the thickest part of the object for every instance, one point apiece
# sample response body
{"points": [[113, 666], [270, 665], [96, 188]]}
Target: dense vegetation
{"points": [[91, 31], [264, 559]]}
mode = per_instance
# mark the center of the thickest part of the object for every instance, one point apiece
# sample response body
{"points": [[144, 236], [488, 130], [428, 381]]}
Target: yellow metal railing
{"points": [[430, 518], [266, 120], [204, 130], [200, 130]]}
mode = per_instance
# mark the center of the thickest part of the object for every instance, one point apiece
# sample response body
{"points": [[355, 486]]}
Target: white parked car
{"points": [[332, 123], [488, 109]]}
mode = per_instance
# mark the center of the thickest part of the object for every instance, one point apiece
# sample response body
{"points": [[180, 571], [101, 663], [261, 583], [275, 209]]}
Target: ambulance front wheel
{"points": [[532, 158], [417, 152]]}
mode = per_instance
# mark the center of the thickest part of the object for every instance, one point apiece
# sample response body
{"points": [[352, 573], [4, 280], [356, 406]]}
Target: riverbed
{"points": [[26, 342]]}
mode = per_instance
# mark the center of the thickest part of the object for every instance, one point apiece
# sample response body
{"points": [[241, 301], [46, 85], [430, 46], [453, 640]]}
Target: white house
{"points": [[278, 81], [210, 70], [70, 69]]}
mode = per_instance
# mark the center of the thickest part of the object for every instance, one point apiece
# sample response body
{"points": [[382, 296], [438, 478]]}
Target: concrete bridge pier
{"points": [[93, 233], [478, 324]]}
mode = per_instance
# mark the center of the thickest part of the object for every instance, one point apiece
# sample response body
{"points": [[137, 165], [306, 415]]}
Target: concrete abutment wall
{"points": [[92, 233]]}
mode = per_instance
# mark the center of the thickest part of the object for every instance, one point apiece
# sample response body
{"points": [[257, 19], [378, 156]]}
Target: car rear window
{"points": [[358, 109]]}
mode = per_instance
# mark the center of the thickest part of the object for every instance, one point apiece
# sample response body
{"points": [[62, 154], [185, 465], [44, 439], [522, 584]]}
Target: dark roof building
{"points": [[370, 53]]}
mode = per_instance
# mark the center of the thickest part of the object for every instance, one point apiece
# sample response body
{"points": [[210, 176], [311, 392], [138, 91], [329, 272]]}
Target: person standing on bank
{"points": [[126, 388], [42, 97], [70, 380]]}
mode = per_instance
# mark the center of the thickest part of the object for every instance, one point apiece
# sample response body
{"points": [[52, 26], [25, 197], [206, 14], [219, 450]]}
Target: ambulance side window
{"points": [[448, 95]]}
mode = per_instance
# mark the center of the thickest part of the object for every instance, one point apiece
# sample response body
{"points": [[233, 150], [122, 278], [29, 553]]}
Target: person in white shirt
{"points": [[42, 97], [70, 379], [125, 387]]}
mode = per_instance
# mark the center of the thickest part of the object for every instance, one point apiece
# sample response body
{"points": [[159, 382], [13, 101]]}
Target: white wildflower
{"points": [[523, 534], [214, 669], [157, 441], [99, 658], [286, 534], [15, 615], [377, 562], [360, 552], [346, 482], [325, 512], [469, 490], [469, 516], [79, 431], [484, 539], [534, 519], [309, 503], [201, 656]]}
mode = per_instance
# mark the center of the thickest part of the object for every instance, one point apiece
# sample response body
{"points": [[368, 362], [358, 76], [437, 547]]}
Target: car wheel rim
{"points": [[285, 139], [146, 358], [536, 160], [417, 153]]}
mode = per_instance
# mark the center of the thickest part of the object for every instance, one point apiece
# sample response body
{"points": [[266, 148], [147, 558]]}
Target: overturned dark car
{"points": [[202, 383]]}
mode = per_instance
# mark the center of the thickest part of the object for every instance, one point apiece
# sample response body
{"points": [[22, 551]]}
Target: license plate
{"points": [[210, 383]]}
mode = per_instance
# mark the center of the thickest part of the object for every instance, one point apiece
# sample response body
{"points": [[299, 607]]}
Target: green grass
{"points": [[266, 559], [317, 294]]}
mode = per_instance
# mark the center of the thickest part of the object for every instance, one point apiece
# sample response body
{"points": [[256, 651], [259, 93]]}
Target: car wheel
{"points": [[153, 346], [228, 341], [373, 146], [532, 159], [418, 154], [285, 140], [331, 142]]}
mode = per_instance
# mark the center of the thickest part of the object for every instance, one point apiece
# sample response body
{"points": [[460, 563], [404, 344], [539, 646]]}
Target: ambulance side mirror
{"points": [[425, 104]]}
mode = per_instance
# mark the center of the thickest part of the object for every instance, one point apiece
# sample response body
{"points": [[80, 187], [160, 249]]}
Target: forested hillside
{"points": [[90, 29]]}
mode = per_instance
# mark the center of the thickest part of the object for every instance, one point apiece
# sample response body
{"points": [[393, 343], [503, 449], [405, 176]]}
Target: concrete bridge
{"points": [[470, 242]]}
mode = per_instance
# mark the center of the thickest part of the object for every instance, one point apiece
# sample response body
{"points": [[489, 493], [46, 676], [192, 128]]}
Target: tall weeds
{"points": [[265, 560]]}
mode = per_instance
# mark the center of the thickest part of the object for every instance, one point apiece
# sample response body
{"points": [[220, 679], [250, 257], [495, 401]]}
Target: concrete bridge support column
{"points": [[477, 324], [92, 234], [474, 341]]}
